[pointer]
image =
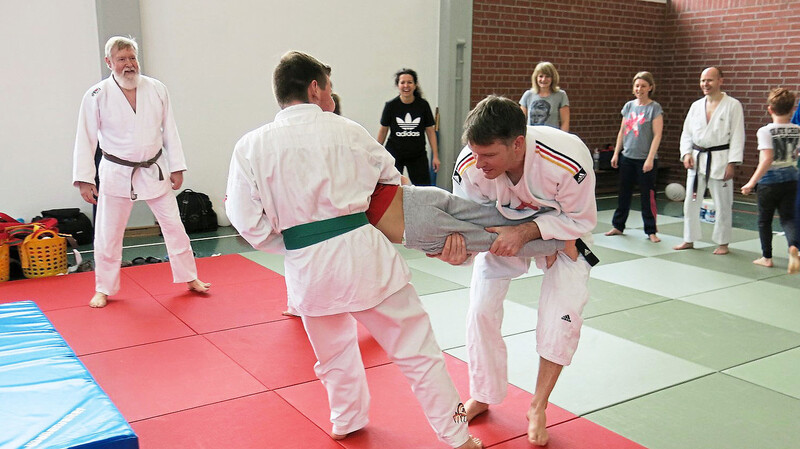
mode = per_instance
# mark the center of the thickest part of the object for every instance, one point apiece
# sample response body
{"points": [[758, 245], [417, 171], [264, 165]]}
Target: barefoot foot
{"points": [[721, 250], [198, 286], [614, 231], [794, 260], [290, 312], [475, 408], [472, 443], [654, 238], [764, 262], [98, 300], [537, 427], [337, 436], [684, 245], [341, 436]]}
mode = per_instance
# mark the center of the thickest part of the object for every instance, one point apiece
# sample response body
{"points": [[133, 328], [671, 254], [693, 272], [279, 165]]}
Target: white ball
{"points": [[675, 192]]}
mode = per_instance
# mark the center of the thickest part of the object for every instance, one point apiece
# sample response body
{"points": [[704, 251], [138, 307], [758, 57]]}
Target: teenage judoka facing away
{"points": [[299, 186]]}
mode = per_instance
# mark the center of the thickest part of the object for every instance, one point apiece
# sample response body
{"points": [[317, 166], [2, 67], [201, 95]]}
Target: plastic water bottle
{"points": [[596, 158]]}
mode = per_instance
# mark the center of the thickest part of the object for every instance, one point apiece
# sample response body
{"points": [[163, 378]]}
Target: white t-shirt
{"points": [[783, 140]]}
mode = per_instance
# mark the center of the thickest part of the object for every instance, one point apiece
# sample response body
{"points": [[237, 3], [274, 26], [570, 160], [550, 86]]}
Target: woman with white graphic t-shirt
{"points": [[638, 140], [407, 119]]}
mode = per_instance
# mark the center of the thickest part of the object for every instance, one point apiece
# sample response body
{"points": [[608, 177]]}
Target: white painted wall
{"points": [[49, 59], [217, 60]]}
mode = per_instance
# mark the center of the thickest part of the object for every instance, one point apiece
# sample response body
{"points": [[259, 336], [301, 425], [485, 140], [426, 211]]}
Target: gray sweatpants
{"points": [[431, 214]]}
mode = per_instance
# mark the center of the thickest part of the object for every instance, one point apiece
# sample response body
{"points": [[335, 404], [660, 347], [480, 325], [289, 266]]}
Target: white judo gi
{"points": [[557, 187], [107, 118], [308, 166], [725, 127]]}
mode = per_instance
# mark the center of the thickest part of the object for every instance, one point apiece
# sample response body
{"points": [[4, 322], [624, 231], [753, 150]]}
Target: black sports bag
{"points": [[74, 222], [196, 212]]}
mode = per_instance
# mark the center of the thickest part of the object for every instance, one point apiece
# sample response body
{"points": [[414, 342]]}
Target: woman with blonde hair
{"points": [[638, 140], [545, 103]]}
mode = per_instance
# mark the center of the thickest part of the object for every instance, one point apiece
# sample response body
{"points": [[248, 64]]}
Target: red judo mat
{"points": [[227, 370]]}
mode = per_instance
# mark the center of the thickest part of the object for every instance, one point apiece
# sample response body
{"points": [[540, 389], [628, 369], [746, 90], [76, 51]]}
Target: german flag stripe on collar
{"points": [[560, 159], [464, 164]]}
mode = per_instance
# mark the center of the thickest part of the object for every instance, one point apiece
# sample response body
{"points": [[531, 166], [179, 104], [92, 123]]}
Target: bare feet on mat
{"points": [[684, 245], [98, 300], [614, 231], [764, 262], [794, 260], [721, 250], [341, 436], [472, 443], [475, 408], [337, 436], [653, 238], [198, 286], [290, 312], [537, 427]]}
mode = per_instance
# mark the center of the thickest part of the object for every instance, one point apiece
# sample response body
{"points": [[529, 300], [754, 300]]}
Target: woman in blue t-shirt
{"points": [[407, 119], [638, 140]]}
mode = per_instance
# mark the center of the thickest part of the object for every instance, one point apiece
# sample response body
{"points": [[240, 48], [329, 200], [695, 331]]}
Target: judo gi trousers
{"points": [[722, 193], [431, 214], [562, 298], [112, 217], [402, 328]]}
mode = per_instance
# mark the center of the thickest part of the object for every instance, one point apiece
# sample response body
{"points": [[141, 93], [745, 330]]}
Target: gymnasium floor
{"points": [[678, 350]]}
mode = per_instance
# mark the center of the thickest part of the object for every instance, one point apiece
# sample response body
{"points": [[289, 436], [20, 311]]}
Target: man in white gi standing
{"points": [[130, 116], [526, 171], [299, 186], [712, 144]]}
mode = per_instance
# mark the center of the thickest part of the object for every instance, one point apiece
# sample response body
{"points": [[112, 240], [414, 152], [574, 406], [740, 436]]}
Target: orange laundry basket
{"points": [[4, 261], [43, 253]]}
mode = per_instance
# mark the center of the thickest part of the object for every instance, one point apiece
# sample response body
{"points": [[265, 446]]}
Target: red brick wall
{"points": [[597, 47], [757, 45]]}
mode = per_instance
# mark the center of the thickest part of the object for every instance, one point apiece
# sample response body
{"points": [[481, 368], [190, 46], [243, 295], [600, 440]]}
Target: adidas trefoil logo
{"points": [[407, 124], [566, 318]]}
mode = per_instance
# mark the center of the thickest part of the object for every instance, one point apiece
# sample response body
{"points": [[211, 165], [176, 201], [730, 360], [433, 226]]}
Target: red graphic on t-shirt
{"points": [[632, 123]]}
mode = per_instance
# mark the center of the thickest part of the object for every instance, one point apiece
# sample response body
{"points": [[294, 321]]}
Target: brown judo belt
{"points": [[708, 165], [136, 166]]}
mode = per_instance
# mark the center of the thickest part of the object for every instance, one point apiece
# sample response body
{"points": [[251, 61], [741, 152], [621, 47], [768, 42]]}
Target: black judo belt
{"points": [[586, 252], [136, 166], [708, 165]]}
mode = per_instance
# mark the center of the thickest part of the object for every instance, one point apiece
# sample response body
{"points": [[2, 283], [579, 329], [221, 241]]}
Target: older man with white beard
{"points": [[130, 116]]}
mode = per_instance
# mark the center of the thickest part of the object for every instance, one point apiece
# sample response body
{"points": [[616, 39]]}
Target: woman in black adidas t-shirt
{"points": [[407, 119]]}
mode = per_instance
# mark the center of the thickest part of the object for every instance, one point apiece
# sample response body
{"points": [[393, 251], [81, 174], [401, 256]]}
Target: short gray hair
{"points": [[121, 43]]}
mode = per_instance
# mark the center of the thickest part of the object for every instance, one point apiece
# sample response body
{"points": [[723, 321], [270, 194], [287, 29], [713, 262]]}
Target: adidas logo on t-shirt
{"points": [[566, 318], [407, 124]]}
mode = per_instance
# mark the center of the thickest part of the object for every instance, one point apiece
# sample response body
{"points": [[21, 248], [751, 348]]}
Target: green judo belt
{"points": [[308, 234]]}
